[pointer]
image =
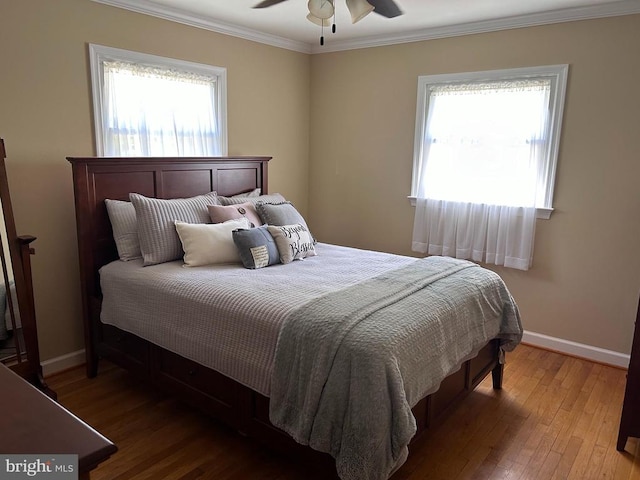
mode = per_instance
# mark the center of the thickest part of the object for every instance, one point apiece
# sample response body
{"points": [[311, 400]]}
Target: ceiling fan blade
{"points": [[267, 3], [386, 8]]}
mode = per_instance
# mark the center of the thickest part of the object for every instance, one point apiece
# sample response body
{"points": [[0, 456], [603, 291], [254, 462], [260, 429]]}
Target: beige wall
{"points": [[585, 280], [341, 125], [45, 116]]}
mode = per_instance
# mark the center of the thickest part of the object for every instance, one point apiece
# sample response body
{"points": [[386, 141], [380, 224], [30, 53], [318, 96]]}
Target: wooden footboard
{"points": [[248, 411]]}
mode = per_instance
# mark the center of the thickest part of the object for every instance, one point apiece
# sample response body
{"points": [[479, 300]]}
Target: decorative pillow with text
{"points": [[257, 247], [294, 242]]}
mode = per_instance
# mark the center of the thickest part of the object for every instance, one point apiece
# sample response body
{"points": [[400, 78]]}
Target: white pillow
{"points": [[210, 243], [124, 225], [294, 242]]}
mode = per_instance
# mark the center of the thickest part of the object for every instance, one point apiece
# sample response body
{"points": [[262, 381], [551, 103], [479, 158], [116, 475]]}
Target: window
{"points": [[485, 156], [489, 137], [145, 105]]}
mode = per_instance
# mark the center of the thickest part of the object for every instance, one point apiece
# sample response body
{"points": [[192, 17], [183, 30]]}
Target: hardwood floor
{"points": [[555, 418]]}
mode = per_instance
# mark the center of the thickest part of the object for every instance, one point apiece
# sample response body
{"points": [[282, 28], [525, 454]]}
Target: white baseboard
{"points": [[58, 364], [581, 350]]}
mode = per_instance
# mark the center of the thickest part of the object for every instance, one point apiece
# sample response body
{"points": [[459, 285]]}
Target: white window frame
{"points": [[98, 54], [557, 74]]}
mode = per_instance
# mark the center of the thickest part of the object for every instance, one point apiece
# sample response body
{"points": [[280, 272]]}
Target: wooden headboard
{"points": [[95, 179]]}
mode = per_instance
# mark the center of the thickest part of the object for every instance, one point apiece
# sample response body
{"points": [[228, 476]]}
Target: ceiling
{"points": [[285, 24]]}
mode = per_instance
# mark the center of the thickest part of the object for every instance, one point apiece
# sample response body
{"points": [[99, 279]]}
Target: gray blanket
{"points": [[350, 365]]}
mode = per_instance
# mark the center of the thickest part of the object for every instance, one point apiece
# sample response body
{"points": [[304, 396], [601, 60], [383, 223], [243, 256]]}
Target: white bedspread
{"points": [[228, 317]]}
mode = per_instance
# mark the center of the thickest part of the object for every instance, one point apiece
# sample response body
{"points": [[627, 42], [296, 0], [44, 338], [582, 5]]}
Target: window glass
{"points": [[153, 106], [489, 137]]}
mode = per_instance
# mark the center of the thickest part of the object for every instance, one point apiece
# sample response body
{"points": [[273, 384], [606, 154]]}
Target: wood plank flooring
{"points": [[555, 418]]}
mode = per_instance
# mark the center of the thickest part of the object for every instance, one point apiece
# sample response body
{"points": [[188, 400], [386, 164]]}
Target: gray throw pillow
{"points": [[282, 213], [124, 225], [159, 241], [256, 246]]}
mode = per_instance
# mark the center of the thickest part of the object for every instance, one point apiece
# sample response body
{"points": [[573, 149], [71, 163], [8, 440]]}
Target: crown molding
{"points": [[623, 7], [180, 16], [614, 9]]}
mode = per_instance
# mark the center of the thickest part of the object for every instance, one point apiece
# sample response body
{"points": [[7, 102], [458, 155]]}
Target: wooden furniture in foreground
{"points": [[247, 411], [32, 423], [630, 420], [16, 268]]}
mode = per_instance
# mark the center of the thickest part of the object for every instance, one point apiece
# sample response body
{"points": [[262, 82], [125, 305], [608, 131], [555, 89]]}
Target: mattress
{"points": [[227, 317]]}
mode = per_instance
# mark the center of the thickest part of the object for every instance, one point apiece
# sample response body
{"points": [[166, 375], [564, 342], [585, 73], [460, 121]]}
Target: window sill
{"points": [[542, 213]]}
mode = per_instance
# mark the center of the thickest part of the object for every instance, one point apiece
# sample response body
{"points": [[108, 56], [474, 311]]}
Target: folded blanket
{"points": [[350, 365]]}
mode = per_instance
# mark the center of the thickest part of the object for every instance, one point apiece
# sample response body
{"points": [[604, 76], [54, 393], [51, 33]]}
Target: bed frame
{"points": [[96, 179]]}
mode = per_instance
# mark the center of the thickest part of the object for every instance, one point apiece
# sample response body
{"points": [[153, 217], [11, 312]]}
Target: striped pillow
{"points": [[159, 241], [256, 192], [271, 198]]}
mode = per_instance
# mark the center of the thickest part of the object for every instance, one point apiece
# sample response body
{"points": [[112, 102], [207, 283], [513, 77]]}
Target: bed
{"points": [[129, 320]]}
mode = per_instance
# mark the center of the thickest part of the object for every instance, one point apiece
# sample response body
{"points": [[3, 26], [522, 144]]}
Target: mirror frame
{"points": [[20, 252]]}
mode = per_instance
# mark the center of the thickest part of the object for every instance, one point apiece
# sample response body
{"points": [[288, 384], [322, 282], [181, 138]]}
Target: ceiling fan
{"points": [[321, 11]]}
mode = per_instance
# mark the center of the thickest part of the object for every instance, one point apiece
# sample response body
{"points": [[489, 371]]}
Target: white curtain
{"points": [[152, 111], [483, 153], [496, 234]]}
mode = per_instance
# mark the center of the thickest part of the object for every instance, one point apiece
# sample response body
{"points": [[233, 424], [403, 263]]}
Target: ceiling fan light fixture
{"points": [[323, 22], [322, 9], [358, 9]]}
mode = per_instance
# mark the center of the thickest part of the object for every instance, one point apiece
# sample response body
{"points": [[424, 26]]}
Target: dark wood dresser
{"points": [[32, 423], [630, 421]]}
